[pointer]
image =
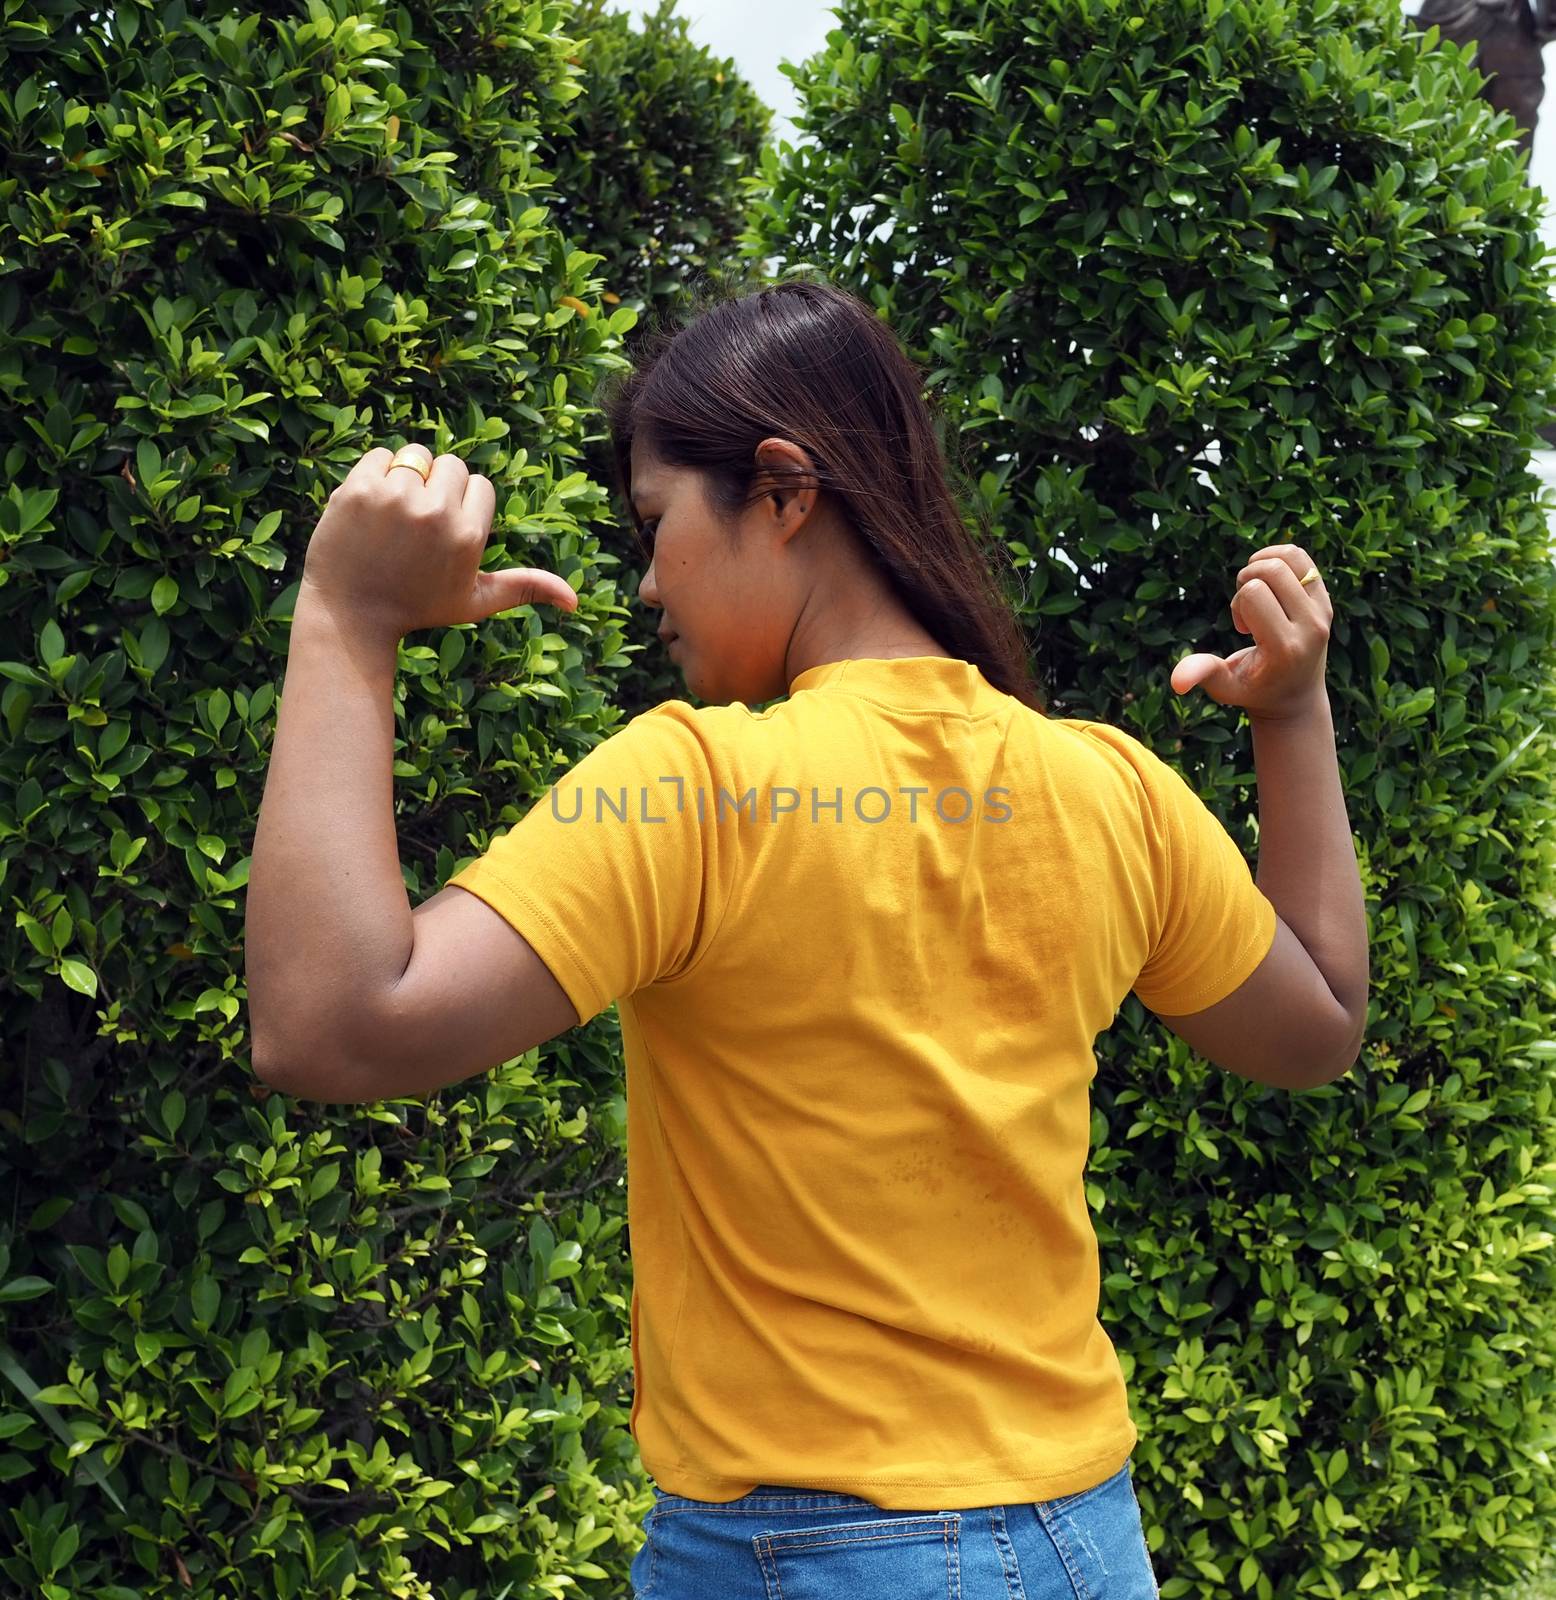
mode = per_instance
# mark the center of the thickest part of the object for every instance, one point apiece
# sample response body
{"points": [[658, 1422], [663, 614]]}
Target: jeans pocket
{"points": [[913, 1557]]}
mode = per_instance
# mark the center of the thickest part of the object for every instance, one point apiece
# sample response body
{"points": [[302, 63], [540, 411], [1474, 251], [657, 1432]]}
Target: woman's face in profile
{"points": [[722, 590]]}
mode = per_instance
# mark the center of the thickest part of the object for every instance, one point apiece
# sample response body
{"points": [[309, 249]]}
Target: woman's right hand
{"points": [[1281, 674]]}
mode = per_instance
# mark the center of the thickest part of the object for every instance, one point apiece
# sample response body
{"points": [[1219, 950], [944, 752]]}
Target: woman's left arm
{"points": [[329, 925]]}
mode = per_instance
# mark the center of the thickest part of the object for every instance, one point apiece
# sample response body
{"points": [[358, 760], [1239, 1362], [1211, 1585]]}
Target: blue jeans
{"points": [[792, 1544]]}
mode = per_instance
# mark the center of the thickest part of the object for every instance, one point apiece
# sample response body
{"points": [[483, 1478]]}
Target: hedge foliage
{"points": [[650, 161], [1189, 281], [650, 169], [249, 1346], [1197, 277]]}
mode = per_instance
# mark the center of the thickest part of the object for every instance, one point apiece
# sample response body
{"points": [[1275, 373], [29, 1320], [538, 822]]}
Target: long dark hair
{"points": [[806, 361]]}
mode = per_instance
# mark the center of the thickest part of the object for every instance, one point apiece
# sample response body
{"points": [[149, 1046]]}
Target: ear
{"points": [[787, 478]]}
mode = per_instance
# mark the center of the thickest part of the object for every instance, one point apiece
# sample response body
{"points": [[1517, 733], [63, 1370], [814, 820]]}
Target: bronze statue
{"points": [[1509, 35]]}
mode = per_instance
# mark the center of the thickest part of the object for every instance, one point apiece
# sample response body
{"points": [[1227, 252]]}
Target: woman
{"points": [[863, 940]]}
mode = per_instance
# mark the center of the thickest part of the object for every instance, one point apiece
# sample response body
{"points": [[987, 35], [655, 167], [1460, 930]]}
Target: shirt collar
{"points": [[899, 680]]}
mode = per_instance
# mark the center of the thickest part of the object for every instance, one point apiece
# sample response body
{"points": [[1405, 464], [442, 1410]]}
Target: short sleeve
{"points": [[1214, 924], [605, 875]]}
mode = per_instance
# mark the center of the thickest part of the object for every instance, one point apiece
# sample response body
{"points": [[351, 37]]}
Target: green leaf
{"points": [[205, 1299], [36, 507], [79, 976], [24, 1288], [155, 640], [65, 1544], [51, 642], [172, 1112]]}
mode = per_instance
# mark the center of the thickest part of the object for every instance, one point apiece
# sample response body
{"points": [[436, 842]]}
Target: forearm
{"points": [[1307, 860], [328, 919]]}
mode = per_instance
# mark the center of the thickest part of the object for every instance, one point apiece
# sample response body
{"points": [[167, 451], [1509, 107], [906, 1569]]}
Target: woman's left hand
{"points": [[393, 553]]}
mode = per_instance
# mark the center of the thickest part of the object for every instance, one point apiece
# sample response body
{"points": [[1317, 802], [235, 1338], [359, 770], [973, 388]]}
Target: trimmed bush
{"points": [[250, 1347], [650, 172], [1194, 278], [649, 163]]}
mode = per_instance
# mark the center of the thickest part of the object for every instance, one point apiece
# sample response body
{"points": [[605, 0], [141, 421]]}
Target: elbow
{"points": [[312, 1090], [1357, 1036], [1339, 1065], [1335, 1073], [295, 1053], [1357, 1014], [1347, 1061], [273, 1064], [268, 1066], [298, 1077], [275, 1073]]}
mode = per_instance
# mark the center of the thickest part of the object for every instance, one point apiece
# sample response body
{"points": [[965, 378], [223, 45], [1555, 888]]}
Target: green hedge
{"points": [[650, 160], [1117, 236], [249, 1346], [650, 169]]}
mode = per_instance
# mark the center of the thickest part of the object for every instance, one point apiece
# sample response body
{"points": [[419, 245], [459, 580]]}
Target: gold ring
{"points": [[410, 455], [1311, 577]]}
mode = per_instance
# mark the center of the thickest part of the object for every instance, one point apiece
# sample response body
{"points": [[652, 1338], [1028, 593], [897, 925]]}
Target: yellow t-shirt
{"points": [[860, 971]]}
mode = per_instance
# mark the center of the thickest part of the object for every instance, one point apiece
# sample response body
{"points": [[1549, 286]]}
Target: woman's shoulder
{"points": [[675, 731], [1103, 749], [1105, 741]]}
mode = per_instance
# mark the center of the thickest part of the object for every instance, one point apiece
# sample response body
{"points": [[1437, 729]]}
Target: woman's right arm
{"points": [[1307, 859], [1300, 1018]]}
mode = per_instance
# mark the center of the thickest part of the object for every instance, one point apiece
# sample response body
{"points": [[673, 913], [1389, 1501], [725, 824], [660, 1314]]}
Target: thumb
{"points": [[522, 586], [1212, 672]]}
